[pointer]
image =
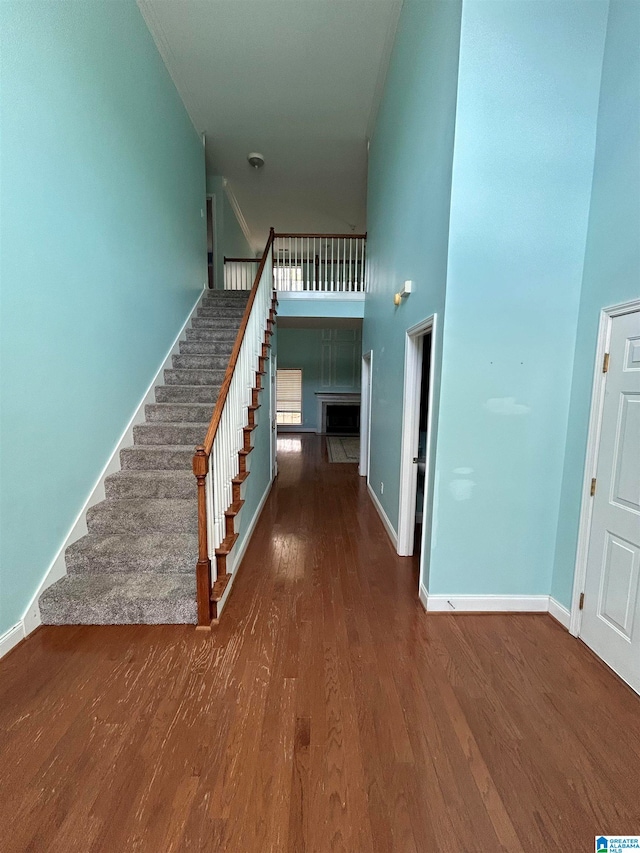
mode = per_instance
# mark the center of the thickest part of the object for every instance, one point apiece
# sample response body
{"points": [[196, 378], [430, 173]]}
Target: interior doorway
{"points": [[211, 231], [416, 438], [365, 414], [606, 602]]}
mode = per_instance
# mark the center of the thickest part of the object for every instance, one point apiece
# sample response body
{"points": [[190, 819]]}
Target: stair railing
{"points": [[320, 263], [240, 273], [217, 461]]}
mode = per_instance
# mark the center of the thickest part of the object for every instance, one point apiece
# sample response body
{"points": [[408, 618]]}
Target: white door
{"points": [[611, 611]]}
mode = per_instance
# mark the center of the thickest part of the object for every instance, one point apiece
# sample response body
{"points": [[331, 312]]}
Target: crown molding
{"points": [[242, 222], [162, 43]]}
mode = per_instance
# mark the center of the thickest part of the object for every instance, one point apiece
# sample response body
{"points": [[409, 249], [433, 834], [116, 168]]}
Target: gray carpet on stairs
{"points": [[137, 562]]}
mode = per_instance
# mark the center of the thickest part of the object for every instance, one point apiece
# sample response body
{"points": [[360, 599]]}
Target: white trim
{"points": [[282, 428], [57, 568], [559, 612], [487, 603], [162, 44], [414, 343], [423, 595], [235, 204], [591, 456], [365, 414], [11, 638], [237, 561], [383, 516]]}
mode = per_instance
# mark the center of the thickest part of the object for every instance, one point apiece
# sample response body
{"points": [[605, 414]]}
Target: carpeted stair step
{"points": [[201, 361], [234, 315], [144, 515], [185, 433], [222, 336], [187, 394], [219, 295], [174, 458], [212, 347], [97, 553], [178, 413], [150, 484], [210, 323], [121, 598], [193, 377]]}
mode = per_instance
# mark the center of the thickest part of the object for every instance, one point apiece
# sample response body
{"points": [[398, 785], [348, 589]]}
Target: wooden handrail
{"points": [[242, 260], [235, 352], [328, 236]]}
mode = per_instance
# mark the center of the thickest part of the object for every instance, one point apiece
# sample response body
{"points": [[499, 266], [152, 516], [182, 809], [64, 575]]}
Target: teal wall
{"points": [[103, 256], [523, 162], [612, 264], [410, 161], [330, 360], [229, 236]]}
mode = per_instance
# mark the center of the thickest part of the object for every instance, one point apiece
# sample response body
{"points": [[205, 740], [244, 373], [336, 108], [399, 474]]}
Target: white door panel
{"points": [[611, 617]]}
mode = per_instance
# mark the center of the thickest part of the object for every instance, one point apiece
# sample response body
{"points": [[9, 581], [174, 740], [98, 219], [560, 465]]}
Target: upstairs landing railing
{"points": [[219, 463], [319, 263]]}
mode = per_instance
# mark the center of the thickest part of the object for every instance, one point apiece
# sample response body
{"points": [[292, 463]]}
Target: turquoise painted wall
{"points": [[410, 161], [330, 360], [523, 162], [103, 256], [612, 264], [230, 239]]}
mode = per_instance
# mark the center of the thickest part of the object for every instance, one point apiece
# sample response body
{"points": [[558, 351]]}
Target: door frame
{"points": [[414, 340], [365, 414], [607, 315]]}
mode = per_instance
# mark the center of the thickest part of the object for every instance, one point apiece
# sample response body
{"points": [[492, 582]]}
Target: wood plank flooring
{"points": [[327, 712]]}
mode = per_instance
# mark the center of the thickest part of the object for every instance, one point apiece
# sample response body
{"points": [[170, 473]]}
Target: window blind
{"points": [[289, 396]]}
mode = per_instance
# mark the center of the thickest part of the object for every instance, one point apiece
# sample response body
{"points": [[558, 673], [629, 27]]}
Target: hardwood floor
{"points": [[327, 712]]}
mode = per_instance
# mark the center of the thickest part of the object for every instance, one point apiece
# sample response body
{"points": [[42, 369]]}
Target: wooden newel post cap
{"points": [[200, 462]]}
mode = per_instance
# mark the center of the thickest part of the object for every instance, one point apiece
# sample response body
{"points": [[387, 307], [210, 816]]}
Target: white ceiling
{"points": [[297, 80]]}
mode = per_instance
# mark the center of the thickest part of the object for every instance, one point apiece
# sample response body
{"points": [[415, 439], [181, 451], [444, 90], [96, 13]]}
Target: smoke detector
{"points": [[256, 160]]}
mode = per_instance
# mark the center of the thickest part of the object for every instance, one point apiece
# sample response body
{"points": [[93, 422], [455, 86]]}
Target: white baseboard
{"points": [[289, 429], [559, 612], [57, 569], [384, 517], [486, 603], [423, 595], [11, 638], [237, 560]]}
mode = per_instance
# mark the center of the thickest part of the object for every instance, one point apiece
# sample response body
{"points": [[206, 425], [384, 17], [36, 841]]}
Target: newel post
{"points": [[203, 566]]}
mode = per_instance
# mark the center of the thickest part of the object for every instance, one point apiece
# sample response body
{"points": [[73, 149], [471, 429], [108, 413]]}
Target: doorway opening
{"points": [[365, 414], [416, 441], [211, 230]]}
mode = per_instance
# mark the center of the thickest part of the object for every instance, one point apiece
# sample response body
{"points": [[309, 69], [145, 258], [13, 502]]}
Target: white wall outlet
{"points": [[382, 488], [201, 213]]}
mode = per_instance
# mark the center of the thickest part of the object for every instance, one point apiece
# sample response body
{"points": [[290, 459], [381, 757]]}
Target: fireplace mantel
{"points": [[336, 399]]}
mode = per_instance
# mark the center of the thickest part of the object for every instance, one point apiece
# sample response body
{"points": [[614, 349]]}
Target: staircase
{"points": [[136, 564]]}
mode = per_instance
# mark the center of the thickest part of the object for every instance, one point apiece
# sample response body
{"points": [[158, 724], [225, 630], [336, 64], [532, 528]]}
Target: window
{"points": [[289, 397]]}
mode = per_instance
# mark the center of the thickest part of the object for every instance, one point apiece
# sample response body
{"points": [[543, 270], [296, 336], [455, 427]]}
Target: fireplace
{"points": [[338, 414], [343, 419]]}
